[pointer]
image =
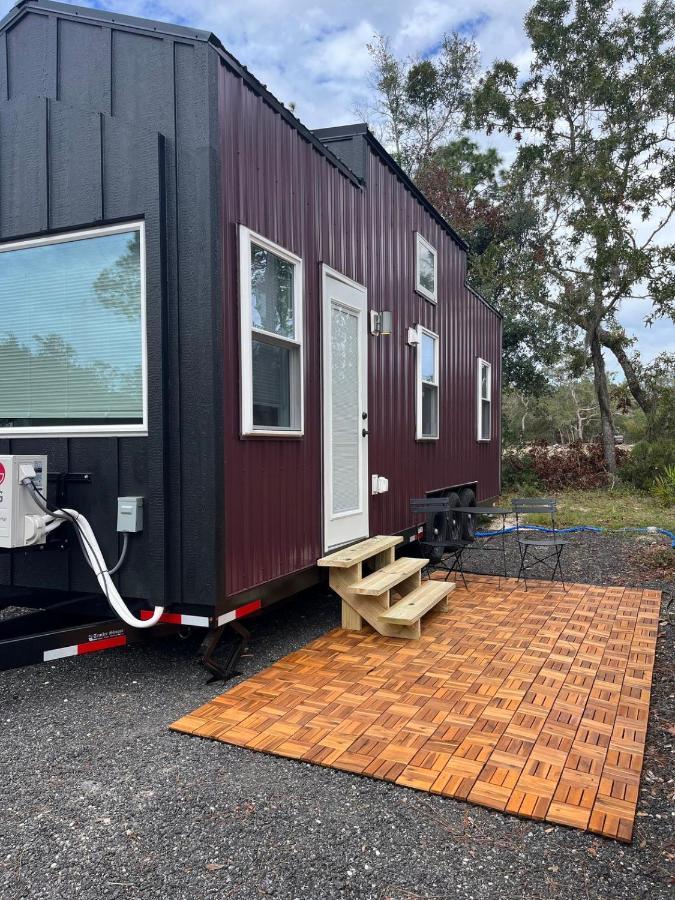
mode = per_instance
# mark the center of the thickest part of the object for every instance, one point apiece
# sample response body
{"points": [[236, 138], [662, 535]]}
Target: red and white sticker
{"points": [[2, 472], [118, 640], [240, 612], [177, 619]]}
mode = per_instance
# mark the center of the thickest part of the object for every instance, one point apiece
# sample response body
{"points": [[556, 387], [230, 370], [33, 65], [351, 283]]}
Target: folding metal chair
{"points": [[441, 542], [550, 545]]}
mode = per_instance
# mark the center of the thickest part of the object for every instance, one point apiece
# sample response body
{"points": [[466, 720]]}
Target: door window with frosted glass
{"points": [[71, 332], [346, 408]]}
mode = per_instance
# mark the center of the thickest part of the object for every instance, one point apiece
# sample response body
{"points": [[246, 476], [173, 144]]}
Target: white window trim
{"points": [[246, 332], [418, 386], [138, 430], [420, 240], [479, 435]]}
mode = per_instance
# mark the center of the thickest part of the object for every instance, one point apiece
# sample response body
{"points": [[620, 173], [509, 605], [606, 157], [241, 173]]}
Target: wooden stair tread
{"points": [[357, 553], [387, 577], [414, 605]]}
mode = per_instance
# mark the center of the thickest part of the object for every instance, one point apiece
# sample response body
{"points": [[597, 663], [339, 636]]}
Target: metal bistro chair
{"points": [[550, 545], [441, 541]]}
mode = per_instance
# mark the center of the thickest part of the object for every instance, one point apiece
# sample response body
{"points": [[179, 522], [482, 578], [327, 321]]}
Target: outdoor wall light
{"points": [[380, 322]]}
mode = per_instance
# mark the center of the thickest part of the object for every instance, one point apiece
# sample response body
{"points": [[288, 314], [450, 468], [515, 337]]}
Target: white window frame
{"points": [[418, 385], [115, 430], [420, 242], [483, 363], [248, 332]]}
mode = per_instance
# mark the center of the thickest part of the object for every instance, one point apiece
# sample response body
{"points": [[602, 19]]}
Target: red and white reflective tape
{"points": [[178, 619], [240, 612], [89, 647], [418, 536]]}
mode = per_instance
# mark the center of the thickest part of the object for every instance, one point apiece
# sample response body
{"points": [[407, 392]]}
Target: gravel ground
{"points": [[100, 800]]}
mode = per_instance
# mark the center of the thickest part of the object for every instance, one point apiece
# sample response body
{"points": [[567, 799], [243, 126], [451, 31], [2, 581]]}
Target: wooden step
{"points": [[414, 605], [388, 576], [356, 553]]}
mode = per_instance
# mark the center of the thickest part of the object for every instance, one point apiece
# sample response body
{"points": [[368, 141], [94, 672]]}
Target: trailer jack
{"points": [[225, 670]]}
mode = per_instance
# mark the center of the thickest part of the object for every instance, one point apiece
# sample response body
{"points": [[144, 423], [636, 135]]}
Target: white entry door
{"points": [[345, 409]]}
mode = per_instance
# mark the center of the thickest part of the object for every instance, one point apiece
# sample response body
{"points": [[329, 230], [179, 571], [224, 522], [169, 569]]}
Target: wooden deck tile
{"points": [[534, 703]]}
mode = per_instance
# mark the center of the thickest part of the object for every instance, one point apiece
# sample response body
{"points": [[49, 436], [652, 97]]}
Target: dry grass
{"points": [[618, 507]]}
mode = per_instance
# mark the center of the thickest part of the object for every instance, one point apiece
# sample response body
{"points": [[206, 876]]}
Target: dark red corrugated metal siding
{"points": [[276, 183], [468, 329], [280, 186]]}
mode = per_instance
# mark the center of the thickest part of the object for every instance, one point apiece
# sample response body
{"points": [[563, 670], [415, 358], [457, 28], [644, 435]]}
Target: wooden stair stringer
{"points": [[371, 609], [371, 597]]}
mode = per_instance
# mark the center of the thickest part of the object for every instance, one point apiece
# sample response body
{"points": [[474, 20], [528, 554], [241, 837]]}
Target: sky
{"points": [[314, 54]]}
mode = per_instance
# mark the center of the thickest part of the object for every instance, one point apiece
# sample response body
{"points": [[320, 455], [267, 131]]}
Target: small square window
{"points": [[271, 338], [425, 269], [484, 400], [427, 385]]}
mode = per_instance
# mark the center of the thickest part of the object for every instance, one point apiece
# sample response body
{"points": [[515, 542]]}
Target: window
{"points": [[427, 384], [271, 338], [484, 400], [72, 333], [425, 268]]}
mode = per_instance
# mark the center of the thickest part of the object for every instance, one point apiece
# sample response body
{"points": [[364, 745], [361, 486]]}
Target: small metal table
{"points": [[488, 511]]}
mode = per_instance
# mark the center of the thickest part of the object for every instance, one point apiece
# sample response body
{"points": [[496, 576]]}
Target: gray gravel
{"points": [[100, 800]]}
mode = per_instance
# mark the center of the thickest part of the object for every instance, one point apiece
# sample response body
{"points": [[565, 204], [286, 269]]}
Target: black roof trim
{"points": [[361, 128], [479, 296], [91, 14], [268, 97]]}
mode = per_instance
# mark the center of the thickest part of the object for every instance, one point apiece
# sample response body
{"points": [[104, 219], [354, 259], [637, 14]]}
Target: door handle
{"points": [[364, 432]]}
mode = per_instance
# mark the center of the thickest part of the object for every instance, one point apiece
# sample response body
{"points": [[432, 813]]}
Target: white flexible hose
{"points": [[96, 562]]}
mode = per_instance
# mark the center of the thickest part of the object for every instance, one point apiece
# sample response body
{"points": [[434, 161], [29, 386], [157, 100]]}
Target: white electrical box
{"points": [[16, 502]]}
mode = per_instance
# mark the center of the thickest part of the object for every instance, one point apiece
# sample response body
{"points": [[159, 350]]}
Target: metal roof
{"points": [[361, 128]]}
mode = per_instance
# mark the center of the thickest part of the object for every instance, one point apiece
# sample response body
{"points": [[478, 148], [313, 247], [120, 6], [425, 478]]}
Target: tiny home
{"points": [[261, 335]]}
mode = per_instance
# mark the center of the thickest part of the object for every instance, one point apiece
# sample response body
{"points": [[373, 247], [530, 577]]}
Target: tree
{"points": [[118, 287], [488, 208], [595, 126], [418, 102]]}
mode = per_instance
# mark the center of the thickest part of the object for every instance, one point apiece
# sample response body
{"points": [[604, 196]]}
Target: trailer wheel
{"points": [[455, 522], [439, 527], [467, 497]]}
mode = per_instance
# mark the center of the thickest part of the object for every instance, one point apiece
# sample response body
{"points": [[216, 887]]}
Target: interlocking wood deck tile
{"points": [[534, 703]]}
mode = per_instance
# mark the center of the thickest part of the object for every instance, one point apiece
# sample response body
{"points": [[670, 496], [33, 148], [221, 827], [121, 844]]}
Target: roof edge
{"points": [[152, 26], [268, 97], [94, 14], [362, 129], [479, 296]]}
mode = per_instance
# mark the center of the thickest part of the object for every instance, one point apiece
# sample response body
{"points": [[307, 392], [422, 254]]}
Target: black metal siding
{"points": [[101, 122]]}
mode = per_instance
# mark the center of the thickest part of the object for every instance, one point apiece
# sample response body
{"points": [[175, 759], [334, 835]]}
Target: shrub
{"points": [[662, 420], [647, 461], [663, 488], [555, 468], [518, 472], [578, 465]]}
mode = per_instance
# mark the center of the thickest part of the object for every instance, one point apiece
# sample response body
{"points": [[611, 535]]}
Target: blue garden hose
{"points": [[512, 528]]}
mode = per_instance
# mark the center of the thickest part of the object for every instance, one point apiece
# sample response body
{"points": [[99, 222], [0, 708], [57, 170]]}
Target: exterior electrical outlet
{"points": [[16, 503], [130, 514]]}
